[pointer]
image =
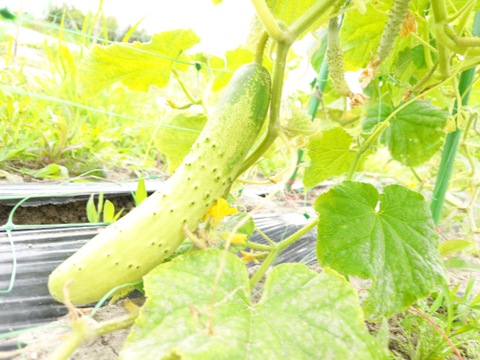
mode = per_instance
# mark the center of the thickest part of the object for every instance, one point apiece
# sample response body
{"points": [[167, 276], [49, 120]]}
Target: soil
{"points": [[69, 213]]}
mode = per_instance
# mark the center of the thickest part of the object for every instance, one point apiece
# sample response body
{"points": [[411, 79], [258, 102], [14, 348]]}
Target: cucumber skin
{"points": [[128, 249]]}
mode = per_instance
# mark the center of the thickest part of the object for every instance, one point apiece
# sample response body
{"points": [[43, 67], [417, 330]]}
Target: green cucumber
{"points": [[128, 249], [335, 59], [395, 19]]}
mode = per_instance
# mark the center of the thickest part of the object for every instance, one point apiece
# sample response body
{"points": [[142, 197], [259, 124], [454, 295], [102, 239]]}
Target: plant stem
{"points": [[256, 246], [293, 238], [260, 49], [309, 17], [184, 88], [439, 8], [86, 329], [452, 140], [268, 21], [116, 324], [278, 249]]}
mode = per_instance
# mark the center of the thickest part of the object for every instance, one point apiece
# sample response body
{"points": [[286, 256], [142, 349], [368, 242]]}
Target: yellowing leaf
{"points": [[137, 66], [219, 210]]}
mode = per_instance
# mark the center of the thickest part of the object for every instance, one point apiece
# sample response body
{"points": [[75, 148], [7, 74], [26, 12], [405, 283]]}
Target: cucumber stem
{"points": [[268, 21], [439, 8], [84, 329], [260, 49], [309, 17]]}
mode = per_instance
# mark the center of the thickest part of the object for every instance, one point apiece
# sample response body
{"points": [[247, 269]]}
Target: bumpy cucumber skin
{"points": [[335, 59], [128, 249], [395, 19]]}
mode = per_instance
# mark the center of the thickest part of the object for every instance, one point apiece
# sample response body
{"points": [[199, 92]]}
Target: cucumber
{"points": [[395, 19], [128, 249]]}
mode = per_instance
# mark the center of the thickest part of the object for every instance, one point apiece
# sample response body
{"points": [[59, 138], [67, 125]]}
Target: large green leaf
{"points": [[137, 66], [415, 132], [176, 138], [330, 155], [301, 315], [389, 238]]}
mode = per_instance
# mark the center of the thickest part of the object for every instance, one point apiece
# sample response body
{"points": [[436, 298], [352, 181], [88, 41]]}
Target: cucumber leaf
{"points": [[137, 66], [176, 139], [330, 155], [360, 35], [388, 238], [301, 315], [415, 133]]}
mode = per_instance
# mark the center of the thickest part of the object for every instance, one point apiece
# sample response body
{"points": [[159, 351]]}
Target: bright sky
{"points": [[220, 27]]}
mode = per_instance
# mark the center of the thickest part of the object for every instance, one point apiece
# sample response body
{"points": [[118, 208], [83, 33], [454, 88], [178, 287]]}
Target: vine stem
{"points": [[310, 16], [260, 49], [85, 329], [278, 249], [267, 19]]}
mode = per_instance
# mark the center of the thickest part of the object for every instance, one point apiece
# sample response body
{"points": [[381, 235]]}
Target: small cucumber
{"points": [[395, 19], [128, 249], [335, 59]]}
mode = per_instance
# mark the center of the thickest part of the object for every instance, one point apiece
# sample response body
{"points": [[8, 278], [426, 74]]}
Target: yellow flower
{"points": [[219, 210], [248, 257]]}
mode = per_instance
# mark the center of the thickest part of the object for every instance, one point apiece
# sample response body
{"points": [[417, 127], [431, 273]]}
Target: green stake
{"points": [[453, 139]]}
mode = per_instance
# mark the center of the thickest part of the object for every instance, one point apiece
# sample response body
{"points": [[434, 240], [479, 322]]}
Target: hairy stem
{"points": [[268, 21], [310, 16], [260, 49], [278, 249], [85, 329]]}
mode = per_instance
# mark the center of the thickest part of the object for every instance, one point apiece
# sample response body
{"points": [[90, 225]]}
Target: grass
{"points": [[44, 120]]}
